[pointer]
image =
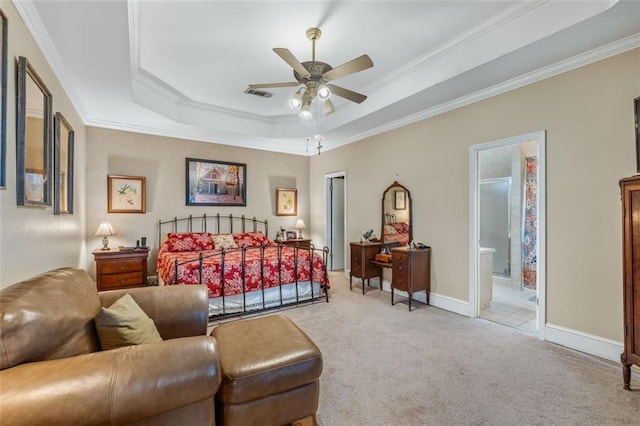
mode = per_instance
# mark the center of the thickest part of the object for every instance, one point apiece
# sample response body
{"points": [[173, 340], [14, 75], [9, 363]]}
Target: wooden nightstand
{"points": [[116, 269], [299, 242]]}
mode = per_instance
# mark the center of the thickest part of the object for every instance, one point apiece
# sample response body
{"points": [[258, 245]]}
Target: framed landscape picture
{"points": [[215, 183], [286, 202], [126, 194]]}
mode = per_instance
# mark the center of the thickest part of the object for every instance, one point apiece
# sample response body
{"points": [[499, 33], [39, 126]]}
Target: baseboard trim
{"points": [[583, 342], [438, 300]]}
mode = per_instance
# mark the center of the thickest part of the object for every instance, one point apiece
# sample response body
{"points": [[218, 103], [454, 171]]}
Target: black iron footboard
{"points": [[317, 289]]}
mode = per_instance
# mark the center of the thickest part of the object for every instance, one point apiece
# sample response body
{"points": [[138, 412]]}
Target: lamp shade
{"points": [[105, 229], [300, 224]]}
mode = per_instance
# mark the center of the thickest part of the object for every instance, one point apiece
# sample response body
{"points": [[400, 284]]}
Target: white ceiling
{"points": [[180, 68]]}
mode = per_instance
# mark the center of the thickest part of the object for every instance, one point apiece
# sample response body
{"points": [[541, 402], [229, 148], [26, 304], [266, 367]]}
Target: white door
{"points": [[335, 196]]}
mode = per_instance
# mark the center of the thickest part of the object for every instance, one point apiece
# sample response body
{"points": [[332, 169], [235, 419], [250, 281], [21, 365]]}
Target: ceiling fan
{"points": [[316, 77]]}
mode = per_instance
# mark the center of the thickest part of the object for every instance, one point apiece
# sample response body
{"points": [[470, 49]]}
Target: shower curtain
{"points": [[529, 237]]}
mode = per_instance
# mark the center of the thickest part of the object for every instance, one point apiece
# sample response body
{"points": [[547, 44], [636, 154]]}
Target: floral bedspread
{"points": [[255, 268]]}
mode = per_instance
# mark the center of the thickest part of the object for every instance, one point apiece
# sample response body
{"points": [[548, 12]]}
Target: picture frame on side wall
{"points": [[4, 47], [286, 202], [62, 165], [215, 183], [126, 194], [33, 138], [636, 109]]}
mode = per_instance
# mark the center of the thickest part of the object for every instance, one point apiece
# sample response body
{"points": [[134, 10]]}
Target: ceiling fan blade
{"points": [[358, 64], [270, 85], [347, 94], [293, 62]]}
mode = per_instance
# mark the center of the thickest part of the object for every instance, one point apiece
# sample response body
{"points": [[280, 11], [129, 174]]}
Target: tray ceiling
{"points": [[180, 68]]}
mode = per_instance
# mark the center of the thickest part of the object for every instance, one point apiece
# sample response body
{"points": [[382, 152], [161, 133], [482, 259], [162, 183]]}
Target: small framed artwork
{"points": [[400, 200], [3, 99], [286, 202], [126, 194], [291, 235], [215, 183], [636, 108]]}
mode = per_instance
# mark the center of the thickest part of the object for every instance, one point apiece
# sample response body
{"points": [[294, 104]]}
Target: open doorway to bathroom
{"points": [[508, 186]]}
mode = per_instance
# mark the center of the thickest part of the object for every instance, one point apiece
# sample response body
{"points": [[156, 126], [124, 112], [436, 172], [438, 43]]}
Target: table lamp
{"points": [[300, 226], [105, 230]]}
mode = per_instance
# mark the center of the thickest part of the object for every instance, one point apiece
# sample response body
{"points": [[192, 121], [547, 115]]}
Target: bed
{"points": [[243, 269], [395, 231]]}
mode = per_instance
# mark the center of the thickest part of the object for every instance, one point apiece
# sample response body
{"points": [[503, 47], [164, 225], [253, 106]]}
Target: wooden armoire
{"points": [[630, 188]]}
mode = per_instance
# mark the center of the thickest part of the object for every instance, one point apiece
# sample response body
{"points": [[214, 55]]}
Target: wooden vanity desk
{"points": [[411, 271], [363, 255]]}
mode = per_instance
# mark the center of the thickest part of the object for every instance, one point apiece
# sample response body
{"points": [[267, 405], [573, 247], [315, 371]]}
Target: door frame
{"points": [[327, 180], [474, 223]]}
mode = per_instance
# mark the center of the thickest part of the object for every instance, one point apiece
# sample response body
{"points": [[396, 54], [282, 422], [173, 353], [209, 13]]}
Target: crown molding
{"points": [[27, 11], [577, 61]]}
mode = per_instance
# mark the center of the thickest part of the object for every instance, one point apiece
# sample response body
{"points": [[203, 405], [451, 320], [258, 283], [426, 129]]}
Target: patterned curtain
{"points": [[529, 238]]}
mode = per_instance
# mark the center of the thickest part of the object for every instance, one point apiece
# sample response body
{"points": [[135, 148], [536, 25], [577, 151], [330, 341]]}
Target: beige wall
{"points": [[33, 240], [162, 161], [588, 116]]}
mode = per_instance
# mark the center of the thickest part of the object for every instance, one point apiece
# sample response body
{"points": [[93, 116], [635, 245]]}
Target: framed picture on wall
{"points": [[636, 108], [3, 99], [216, 183], [286, 202], [400, 200], [126, 194]]}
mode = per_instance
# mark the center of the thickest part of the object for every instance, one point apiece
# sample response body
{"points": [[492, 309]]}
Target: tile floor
{"points": [[514, 308]]}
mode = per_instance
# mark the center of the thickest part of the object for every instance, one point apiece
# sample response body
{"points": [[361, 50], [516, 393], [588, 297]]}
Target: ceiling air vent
{"points": [[260, 93]]}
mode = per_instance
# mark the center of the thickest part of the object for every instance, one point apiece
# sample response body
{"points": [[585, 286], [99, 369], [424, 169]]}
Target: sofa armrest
{"points": [[111, 387], [178, 311]]}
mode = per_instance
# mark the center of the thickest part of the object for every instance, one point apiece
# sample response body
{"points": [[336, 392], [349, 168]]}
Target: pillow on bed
{"points": [[251, 239], [190, 241], [224, 241], [390, 230], [400, 227]]}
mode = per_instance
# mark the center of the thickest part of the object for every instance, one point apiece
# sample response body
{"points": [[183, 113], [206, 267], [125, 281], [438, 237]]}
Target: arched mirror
{"points": [[397, 225]]}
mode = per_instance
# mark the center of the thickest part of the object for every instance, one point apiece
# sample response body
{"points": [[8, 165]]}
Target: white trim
{"points": [[436, 300], [577, 61], [474, 233], [584, 342]]}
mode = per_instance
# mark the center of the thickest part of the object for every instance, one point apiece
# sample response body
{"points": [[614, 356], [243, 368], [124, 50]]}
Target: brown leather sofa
{"points": [[53, 372]]}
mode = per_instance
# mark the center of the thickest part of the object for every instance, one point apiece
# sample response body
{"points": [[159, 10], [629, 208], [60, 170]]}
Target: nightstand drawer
{"points": [[132, 279], [121, 269], [121, 266]]}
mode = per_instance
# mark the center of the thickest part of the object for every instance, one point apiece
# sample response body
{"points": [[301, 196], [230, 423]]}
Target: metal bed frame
{"points": [[214, 224]]}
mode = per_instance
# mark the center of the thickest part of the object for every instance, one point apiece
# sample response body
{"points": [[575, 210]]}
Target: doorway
{"points": [[335, 196], [507, 244]]}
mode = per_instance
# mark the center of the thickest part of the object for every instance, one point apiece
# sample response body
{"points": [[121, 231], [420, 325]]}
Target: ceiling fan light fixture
{"points": [[323, 91], [296, 100], [328, 107], [305, 111]]}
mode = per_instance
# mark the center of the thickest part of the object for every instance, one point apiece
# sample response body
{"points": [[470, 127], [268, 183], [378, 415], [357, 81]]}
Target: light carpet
{"points": [[384, 365]]}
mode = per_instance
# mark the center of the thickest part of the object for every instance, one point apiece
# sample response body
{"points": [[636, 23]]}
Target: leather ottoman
{"points": [[270, 372]]}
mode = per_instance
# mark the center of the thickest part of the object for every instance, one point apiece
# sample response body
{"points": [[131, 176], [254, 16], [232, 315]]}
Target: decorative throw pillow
{"points": [[390, 230], [189, 241], [124, 323], [251, 239], [224, 241]]}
